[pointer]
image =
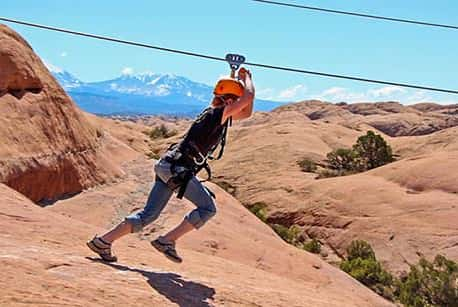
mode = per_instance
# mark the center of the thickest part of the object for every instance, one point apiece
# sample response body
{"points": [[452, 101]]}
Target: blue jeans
{"points": [[160, 195]]}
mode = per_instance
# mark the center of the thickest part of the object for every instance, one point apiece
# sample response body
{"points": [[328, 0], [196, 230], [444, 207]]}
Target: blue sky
{"points": [[264, 34]]}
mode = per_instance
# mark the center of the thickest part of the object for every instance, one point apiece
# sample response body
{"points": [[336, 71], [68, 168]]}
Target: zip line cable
{"points": [[209, 57], [313, 8]]}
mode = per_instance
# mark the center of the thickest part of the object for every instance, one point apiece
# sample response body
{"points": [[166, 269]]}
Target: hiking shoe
{"points": [[167, 248], [102, 248]]}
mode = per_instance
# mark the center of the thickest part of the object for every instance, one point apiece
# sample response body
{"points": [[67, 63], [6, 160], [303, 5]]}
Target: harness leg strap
{"points": [[184, 183]]}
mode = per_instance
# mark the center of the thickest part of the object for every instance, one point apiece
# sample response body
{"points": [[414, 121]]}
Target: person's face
{"points": [[229, 99]]}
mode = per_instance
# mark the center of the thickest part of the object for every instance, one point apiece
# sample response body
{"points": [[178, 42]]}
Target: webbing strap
{"points": [[227, 124], [188, 176]]}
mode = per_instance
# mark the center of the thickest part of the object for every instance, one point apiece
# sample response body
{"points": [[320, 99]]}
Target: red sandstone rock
{"points": [[235, 260], [391, 118], [405, 209], [47, 147]]}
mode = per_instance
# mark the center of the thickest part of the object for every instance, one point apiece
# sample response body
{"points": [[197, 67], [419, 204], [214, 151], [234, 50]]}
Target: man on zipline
{"points": [[177, 169]]}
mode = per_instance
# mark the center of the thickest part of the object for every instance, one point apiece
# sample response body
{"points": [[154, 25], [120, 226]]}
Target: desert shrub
{"points": [[260, 210], [360, 249], [313, 246], [341, 159], [372, 151], [369, 151], [430, 284], [307, 165], [290, 235], [426, 284], [161, 132], [362, 265]]}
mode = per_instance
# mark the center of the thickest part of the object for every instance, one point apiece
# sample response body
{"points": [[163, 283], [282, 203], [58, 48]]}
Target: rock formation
{"points": [[48, 148]]}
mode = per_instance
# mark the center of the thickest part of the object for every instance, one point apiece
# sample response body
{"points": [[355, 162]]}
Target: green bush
{"points": [[369, 151], [362, 265], [430, 284], [161, 132], [427, 284], [291, 235], [307, 165], [341, 159], [360, 249], [260, 210], [372, 151], [313, 246]]}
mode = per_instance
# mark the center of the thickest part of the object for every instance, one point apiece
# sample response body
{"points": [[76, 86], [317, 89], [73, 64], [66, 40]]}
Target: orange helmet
{"points": [[228, 85]]}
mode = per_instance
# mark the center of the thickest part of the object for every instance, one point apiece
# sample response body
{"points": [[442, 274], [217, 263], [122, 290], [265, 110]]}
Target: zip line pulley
{"points": [[234, 60]]}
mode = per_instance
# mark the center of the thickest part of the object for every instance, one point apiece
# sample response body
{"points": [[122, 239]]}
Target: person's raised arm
{"points": [[243, 107]]}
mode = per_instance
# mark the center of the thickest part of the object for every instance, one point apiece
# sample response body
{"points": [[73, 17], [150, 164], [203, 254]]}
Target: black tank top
{"points": [[205, 132]]}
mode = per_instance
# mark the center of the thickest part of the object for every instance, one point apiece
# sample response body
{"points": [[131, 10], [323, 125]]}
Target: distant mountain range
{"points": [[146, 93]]}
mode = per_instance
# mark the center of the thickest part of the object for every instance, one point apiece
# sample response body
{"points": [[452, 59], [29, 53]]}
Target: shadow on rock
{"points": [[172, 286]]}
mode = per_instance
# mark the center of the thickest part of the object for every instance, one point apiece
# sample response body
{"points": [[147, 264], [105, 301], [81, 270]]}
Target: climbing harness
{"points": [[192, 154]]}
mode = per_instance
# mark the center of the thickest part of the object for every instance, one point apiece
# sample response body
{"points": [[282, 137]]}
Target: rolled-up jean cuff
{"points": [[135, 221], [194, 219]]}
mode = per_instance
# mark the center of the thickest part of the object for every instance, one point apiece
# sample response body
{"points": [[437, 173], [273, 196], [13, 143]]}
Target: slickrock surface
{"points": [[235, 260], [391, 118], [50, 149], [405, 209]]}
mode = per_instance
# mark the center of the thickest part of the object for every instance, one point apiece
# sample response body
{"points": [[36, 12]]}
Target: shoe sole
{"points": [[94, 248], [165, 254]]}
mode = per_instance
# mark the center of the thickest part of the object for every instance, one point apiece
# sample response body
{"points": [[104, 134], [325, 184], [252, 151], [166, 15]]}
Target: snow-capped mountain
{"points": [[156, 85], [67, 80], [147, 93]]}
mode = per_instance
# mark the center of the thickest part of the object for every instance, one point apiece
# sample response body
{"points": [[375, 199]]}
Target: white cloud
{"points": [[395, 93], [53, 68], [294, 92], [127, 71], [418, 96], [267, 93], [63, 54], [341, 94], [334, 91], [386, 91]]}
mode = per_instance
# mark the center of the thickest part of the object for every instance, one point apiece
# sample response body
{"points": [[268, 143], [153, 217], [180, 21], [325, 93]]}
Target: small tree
{"points": [[362, 265], [360, 249], [431, 284], [372, 151], [341, 159]]}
